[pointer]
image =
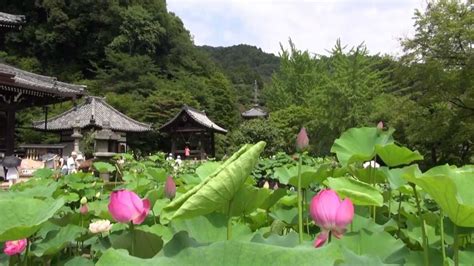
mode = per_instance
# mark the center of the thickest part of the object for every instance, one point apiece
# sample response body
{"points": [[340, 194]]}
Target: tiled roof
{"points": [[199, 117], [93, 112], [39, 83], [9, 19], [256, 111]]}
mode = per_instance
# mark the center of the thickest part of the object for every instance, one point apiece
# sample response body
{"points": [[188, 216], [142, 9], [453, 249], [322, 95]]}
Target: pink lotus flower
{"points": [[380, 125], [170, 188], [14, 247], [125, 206], [302, 140], [330, 214], [84, 209]]}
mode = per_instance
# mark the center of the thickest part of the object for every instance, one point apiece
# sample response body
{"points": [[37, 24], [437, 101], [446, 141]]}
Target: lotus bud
{"points": [[170, 188], [14, 247], [97, 195], [380, 125], [125, 206], [83, 200], [266, 185], [302, 140], [84, 209], [275, 187]]}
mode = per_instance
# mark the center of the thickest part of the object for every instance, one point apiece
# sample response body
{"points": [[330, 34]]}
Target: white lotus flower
{"points": [[100, 226], [372, 164]]}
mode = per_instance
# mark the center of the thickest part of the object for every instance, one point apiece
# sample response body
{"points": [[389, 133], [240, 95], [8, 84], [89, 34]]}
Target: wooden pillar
{"points": [[10, 132], [173, 143], [213, 148]]}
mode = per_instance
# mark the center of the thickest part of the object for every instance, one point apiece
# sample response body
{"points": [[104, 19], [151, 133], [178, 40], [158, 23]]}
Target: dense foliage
{"points": [[244, 209], [142, 58]]}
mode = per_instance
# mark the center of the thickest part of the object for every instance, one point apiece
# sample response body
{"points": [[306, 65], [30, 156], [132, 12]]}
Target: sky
{"points": [[312, 25]]}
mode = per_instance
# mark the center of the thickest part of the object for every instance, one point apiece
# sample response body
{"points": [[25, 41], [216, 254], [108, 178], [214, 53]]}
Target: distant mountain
{"points": [[243, 64]]}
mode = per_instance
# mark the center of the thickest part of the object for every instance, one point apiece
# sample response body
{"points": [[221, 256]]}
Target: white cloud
{"points": [[312, 25]]}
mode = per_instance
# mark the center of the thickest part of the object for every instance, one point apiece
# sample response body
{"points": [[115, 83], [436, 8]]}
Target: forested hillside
{"points": [[141, 57], [243, 65]]}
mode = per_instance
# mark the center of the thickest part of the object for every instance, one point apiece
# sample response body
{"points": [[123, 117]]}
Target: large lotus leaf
{"points": [[395, 175], [206, 169], [451, 188], [103, 167], [233, 253], [275, 196], [146, 244], [308, 175], [359, 192], [375, 244], [358, 144], [57, 240], [352, 259], [157, 174], [21, 218], [35, 188], [210, 228], [216, 191], [370, 175], [394, 155], [79, 261], [289, 240], [247, 199]]}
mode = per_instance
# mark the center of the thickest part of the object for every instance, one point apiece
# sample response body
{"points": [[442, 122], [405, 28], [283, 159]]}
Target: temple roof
{"points": [[93, 113], [15, 77], [198, 116], [11, 21], [254, 112]]}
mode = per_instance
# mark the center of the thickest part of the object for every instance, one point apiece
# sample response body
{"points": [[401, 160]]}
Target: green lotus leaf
{"points": [[104, 167], [394, 155], [373, 244], [56, 240], [206, 169], [231, 253], [22, 218], [395, 175], [358, 144], [247, 199], [451, 187], [359, 192], [218, 189], [210, 228], [309, 175]]}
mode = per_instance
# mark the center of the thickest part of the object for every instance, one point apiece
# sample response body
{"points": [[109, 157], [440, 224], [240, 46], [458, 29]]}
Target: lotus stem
{"points": [[441, 225], [399, 215], [132, 230], [229, 222], [300, 201], [389, 202], [456, 246], [25, 261], [423, 230]]}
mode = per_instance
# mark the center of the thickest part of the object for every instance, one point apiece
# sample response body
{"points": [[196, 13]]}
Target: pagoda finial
{"points": [[255, 93]]}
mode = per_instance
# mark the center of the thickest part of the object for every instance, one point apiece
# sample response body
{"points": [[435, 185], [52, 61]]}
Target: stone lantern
{"points": [[105, 141], [76, 136]]}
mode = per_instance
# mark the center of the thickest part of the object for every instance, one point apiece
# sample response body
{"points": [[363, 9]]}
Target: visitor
{"points": [[187, 151], [72, 163], [12, 176], [170, 157]]}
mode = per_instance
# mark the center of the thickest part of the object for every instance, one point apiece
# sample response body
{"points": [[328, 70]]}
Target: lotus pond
{"points": [[370, 204]]}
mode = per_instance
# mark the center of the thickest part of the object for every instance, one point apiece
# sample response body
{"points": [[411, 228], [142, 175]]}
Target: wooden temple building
{"points": [[97, 115], [21, 89], [256, 111], [192, 128]]}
